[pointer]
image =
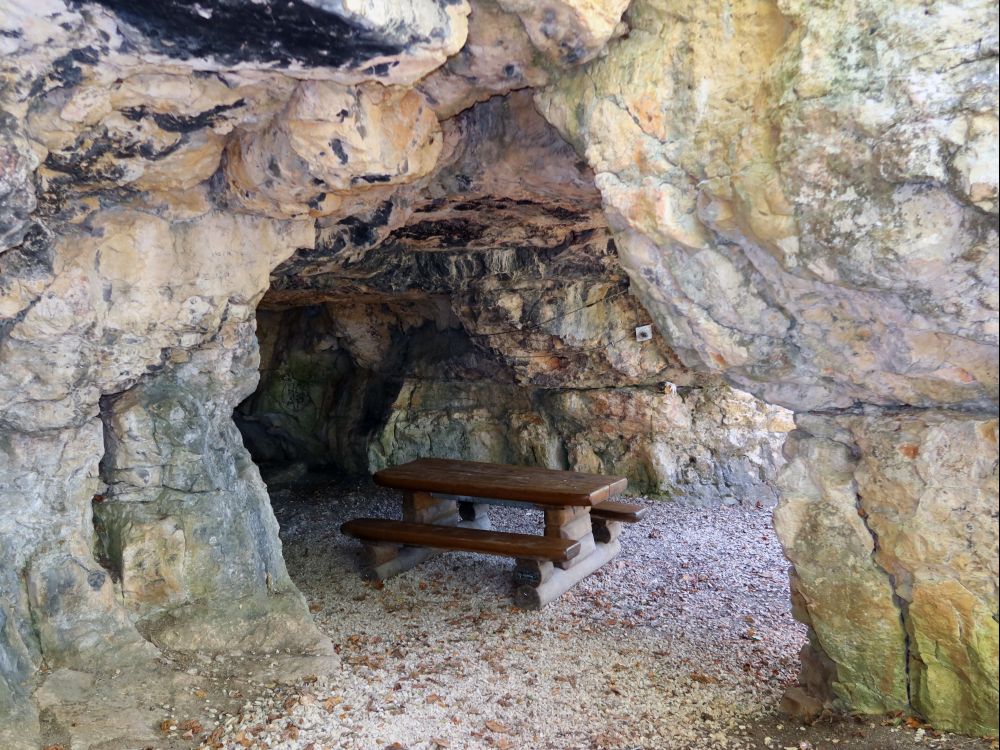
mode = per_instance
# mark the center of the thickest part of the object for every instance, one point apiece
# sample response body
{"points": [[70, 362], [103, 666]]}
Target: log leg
{"points": [[470, 511], [571, 523], [388, 560], [404, 559], [560, 581], [606, 531], [423, 507], [532, 572]]}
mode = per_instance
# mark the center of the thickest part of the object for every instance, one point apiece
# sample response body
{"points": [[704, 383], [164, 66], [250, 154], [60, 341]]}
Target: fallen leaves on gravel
{"points": [[704, 679], [496, 726]]}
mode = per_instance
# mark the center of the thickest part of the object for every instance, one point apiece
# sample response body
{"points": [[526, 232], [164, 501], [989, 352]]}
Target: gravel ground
{"points": [[684, 641]]}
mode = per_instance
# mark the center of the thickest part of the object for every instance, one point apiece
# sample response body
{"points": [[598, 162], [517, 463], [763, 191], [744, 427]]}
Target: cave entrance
{"points": [[350, 386], [484, 315]]}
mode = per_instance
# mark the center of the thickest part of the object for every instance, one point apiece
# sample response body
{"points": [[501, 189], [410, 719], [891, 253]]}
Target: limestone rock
{"points": [[143, 131], [498, 57], [17, 195], [920, 502], [191, 295], [568, 31], [664, 443], [837, 588], [349, 41], [816, 244], [334, 145], [801, 204]]}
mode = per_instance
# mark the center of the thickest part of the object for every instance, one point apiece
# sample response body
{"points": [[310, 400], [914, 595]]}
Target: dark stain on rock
{"points": [[448, 232], [360, 232], [66, 69], [371, 178], [380, 216], [96, 579], [239, 31], [337, 146], [181, 123]]}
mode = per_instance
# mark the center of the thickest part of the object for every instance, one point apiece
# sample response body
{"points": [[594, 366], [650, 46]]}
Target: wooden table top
{"points": [[501, 482]]}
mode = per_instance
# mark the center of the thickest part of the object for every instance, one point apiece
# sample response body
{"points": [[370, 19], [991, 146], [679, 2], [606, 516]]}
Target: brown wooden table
{"points": [[441, 493]]}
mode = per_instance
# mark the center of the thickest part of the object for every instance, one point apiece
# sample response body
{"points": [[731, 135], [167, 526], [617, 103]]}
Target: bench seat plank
{"points": [[524, 483], [462, 539], [624, 512]]}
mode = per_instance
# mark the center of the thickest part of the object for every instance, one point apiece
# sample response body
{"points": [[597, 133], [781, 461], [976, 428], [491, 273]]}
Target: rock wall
{"points": [[358, 387], [705, 447], [882, 515], [802, 197], [808, 206]]}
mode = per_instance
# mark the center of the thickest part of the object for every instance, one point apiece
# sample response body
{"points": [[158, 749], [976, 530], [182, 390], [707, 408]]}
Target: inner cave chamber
{"points": [[352, 234], [493, 323]]}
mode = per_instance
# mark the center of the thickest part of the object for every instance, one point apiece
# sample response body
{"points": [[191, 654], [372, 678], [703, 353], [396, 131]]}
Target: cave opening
{"points": [[486, 317]]}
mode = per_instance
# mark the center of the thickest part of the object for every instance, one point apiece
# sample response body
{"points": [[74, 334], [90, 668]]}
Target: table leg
{"points": [[571, 523], [423, 507], [555, 582], [538, 583], [386, 560]]}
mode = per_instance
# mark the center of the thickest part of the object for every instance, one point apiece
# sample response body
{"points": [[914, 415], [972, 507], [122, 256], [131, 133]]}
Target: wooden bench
{"points": [[624, 512], [607, 518], [444, 508], [462, 539]]}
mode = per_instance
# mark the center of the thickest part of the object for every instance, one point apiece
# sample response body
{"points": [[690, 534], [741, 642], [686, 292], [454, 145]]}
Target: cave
{"points": [[240, 272], [494, 325]]}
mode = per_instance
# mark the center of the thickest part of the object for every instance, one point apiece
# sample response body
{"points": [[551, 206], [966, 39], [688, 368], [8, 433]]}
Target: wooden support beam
{"points": [[423, 507], [532, 572], [606, 531], [560, 581], [571, 523]]}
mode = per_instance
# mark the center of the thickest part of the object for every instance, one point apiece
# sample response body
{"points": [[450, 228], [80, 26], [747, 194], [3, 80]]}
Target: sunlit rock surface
{"points": [[808, 206], [890, 519], [793, 195]]}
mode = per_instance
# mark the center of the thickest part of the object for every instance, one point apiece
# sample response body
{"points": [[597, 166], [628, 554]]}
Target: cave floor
{"points": [[685, 641]]}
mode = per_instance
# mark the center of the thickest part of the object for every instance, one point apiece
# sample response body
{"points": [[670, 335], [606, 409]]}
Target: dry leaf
{"points": [[504, 744], [704, 679], [438, 742], [166, 724], [191, 725], [199, 693], [496, 726]]}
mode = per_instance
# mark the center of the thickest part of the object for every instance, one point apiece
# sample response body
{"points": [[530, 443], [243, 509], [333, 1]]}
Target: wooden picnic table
{"points": [[445, 508], [497, 481]]}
